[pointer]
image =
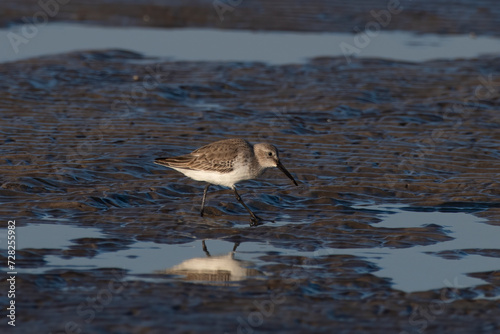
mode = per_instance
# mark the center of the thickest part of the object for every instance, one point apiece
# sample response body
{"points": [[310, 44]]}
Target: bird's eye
{"points": [[270, 154]]}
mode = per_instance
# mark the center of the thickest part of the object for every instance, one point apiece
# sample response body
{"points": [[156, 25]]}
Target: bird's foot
{"points": [[256, 221]]}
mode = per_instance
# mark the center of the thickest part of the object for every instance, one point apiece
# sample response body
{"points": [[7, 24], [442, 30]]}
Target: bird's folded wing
{"points": [[197, 162]]}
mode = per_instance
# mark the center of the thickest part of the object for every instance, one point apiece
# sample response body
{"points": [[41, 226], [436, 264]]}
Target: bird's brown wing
{"points": [[221, 166], [197, 162], [219, 156]]}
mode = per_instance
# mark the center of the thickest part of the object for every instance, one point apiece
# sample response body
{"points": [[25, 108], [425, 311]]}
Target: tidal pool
{"points": [[191, 44], [417, 268]]}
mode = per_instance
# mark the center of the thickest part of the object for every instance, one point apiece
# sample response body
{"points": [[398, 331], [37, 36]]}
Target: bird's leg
{"points": [[205, 248], [255, 219], [203, 200], [236, 244]]}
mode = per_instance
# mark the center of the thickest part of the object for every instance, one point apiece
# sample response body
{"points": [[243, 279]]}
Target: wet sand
{"points": [[427, 16], [81, 130]]}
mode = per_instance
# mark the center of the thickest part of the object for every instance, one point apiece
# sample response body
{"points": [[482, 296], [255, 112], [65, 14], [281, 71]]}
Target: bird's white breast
{"points": [[224, 179]]}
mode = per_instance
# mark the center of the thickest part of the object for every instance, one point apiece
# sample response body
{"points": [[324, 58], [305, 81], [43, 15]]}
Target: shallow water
{"points": [[422, 268], [276, 48]]}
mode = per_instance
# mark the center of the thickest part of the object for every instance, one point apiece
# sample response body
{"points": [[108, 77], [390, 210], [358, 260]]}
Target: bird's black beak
{"points": [[283, 169]]}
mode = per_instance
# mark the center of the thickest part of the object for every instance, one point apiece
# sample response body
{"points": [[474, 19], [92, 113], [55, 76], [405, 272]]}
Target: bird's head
{"points": [[268, 157]]}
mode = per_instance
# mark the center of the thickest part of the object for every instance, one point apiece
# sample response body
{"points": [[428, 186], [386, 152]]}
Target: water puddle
{"points": [[51, 236], [187, 259], [239, 45], [421, 268], [211, 260], [418, 268]]}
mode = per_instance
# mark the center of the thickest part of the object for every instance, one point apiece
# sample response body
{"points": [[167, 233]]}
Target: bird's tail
{"points": [[162, 162], [180, 161]]}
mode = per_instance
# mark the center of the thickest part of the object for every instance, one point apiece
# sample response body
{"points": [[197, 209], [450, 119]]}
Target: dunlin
{"points": [[226, 163]]}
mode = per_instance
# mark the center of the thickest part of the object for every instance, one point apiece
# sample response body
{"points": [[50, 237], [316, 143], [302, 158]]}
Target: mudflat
{"points": [[81, 130]]}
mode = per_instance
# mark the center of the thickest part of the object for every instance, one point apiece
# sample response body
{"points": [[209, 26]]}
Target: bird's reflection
{"points": [[220, 268]]}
